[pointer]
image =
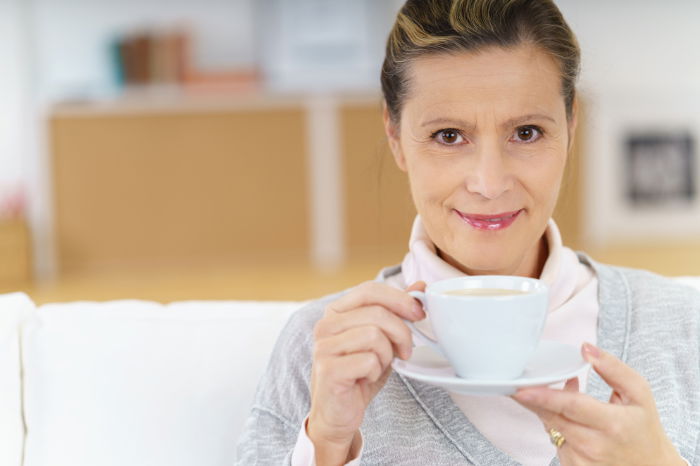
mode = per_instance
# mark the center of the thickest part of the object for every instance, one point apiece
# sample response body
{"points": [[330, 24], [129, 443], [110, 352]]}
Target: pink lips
{"points": [[490, 222]]}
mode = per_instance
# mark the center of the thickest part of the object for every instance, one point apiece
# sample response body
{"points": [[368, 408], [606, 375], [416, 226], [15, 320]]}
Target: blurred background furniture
{"points": [[189, 150], [15, 252]]}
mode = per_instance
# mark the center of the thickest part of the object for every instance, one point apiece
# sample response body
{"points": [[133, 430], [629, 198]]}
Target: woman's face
{"points": [[484, 138]]}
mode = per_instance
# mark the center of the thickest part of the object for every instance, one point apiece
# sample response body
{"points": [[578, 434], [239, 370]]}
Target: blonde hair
{"points": [[425, 27]]}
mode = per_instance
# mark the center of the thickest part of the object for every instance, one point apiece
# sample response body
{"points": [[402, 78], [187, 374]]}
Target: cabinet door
{"points": [[179, 188]]}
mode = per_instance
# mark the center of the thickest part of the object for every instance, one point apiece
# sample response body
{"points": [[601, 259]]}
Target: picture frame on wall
{"points": [[642, 173], [660, 169]]}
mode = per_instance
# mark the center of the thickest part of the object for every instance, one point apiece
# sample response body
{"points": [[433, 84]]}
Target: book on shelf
{"points": [[164, 58]]}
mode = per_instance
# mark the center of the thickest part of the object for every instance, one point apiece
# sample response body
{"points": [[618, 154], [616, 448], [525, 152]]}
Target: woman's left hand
{"points": [[626, 430]]}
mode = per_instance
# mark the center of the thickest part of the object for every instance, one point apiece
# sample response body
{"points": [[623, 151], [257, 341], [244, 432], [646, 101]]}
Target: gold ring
{"points": [[556, 438]]}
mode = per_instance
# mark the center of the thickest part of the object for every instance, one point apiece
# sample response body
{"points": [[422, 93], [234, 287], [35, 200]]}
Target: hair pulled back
{"points": [[425, 27]]}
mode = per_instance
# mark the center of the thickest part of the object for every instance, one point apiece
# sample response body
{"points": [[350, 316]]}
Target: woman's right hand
{"points": [[355, 342]]}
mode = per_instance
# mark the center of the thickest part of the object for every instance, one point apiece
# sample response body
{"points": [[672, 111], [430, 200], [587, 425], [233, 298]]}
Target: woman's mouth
{"points": [[490, 222]]}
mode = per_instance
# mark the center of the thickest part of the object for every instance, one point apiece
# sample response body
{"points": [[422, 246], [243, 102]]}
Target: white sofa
{"points": [[131, 383]]}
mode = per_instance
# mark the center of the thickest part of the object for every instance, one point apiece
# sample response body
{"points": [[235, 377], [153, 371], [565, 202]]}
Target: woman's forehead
{"points": [[517, 79]]}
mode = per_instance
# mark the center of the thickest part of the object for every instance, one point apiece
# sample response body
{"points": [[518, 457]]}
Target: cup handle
{"points": [[420, 296]]}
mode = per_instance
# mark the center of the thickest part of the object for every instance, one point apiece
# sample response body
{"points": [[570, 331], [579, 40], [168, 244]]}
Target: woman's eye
{"points": [[527, 134], [448, 137]]}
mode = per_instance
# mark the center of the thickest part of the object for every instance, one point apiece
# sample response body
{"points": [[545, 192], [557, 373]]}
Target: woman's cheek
{"points": [[429, 181], [435, 189], [543, 174]]}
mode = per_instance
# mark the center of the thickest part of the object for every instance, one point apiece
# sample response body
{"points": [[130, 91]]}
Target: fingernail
{"points": [[408, 351], [590, 351]]}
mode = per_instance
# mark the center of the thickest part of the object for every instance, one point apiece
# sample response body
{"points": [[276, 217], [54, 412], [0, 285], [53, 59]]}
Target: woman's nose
{"points": [[489, 175]]}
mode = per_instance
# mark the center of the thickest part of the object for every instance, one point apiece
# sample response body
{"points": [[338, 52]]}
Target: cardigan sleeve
{"points": [[282, 399]]}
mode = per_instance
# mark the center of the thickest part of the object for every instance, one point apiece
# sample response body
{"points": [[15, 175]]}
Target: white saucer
{"points": [[552, 362]]}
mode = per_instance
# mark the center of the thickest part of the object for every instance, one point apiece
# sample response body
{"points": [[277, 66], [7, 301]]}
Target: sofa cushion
{"points": [[14, 309], [139, 383], [691, 281]]}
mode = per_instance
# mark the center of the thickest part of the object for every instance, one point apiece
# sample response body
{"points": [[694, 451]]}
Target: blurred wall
{"points": [[14, 85], [636, 45]]}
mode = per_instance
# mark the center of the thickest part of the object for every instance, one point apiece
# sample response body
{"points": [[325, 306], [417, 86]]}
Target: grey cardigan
{"points": [[650, 322]]}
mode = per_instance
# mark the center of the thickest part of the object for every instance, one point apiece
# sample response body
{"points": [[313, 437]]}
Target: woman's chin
{"points": [[483, 263]]}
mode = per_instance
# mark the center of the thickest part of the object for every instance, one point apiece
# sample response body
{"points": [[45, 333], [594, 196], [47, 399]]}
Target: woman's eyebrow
{"points": [[525, 118], [448, 121], [507, 124]]}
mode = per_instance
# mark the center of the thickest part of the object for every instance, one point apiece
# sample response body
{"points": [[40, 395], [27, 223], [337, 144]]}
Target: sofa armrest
{"points": [[15, 309]]}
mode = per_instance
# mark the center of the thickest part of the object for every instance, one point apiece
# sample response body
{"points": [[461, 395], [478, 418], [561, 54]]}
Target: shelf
{"points": [[175, 100]]}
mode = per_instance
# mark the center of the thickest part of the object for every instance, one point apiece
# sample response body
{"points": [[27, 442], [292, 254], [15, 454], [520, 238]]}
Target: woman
{"points": [[480, 112]]}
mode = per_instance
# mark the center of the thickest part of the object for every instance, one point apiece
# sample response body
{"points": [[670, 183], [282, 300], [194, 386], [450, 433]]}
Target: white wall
{"points": [[637, 45], [325, 45], [13, 96]]}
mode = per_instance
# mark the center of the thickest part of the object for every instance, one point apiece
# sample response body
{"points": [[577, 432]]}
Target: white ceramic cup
{"points": [[485, 337]]}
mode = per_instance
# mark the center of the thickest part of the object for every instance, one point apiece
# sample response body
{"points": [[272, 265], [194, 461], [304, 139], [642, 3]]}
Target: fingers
{"points": [[373, 316], [374, 326], [544, 414], [350, 368], [628, 385], [357, 340], [582, 440], [576, 407], [374, 293]]}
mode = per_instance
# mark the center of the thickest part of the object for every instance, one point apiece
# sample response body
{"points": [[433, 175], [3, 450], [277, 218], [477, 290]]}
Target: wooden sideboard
{"points": [[15, 254]]}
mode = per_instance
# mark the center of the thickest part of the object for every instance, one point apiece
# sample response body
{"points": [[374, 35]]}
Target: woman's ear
{"points": [[392, 135]]}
